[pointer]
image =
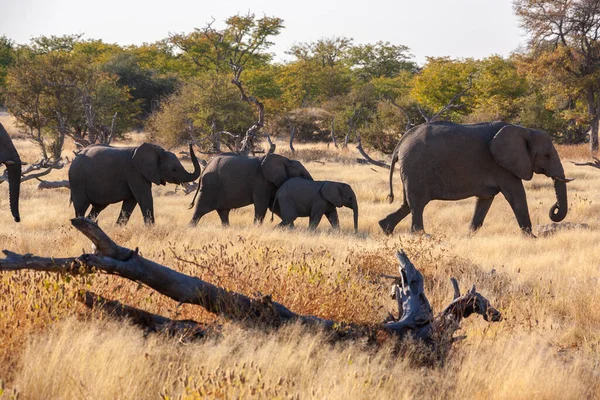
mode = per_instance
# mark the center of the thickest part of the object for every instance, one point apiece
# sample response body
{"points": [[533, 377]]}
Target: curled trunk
{"points": [[196, 174], [355, 210], [558, 212], [14, 187]]}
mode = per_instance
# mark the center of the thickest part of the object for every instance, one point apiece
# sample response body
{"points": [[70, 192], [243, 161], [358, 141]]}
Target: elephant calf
{"points": [[101, 175], [300, 197]]}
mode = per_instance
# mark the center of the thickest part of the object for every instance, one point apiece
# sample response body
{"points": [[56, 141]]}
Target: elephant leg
{"points": [[314, 219], [96, 209], [287, 211], [224, 215], [482, 206], [389, 223], [126, 209], [147, 207], [416, 211], [333, 219], [516, 197], [261, 205], [80, 203], [207, 201]]}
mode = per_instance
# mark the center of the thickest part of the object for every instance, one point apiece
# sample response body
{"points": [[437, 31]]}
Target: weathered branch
{"points": [[595, 164], [53, 184], [27, 174], [362, 152], [247, 144], [451, 104], [415, 316], [149, 321]]}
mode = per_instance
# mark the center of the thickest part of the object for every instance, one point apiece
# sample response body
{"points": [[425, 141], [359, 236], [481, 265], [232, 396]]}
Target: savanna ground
{"points": [[547, 345]]}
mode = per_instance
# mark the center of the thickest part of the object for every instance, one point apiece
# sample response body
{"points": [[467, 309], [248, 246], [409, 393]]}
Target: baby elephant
{"points": [[299, 197]]}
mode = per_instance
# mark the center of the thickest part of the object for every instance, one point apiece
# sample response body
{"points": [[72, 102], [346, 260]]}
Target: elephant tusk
{"points": [[565, 180], [9, 162]]}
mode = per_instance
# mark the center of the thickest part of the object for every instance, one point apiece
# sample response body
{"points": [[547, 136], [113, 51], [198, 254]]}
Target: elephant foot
{"points": [[527, 233], [388, 230]]}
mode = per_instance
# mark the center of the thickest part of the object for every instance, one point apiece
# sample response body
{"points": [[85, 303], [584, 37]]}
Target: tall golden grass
{"points": [[547, 346]]}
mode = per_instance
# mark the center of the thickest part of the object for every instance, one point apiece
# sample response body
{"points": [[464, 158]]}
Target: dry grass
{"points": [[546, 347]]}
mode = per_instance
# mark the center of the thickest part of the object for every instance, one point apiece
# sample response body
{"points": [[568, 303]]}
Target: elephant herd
{"points": [[437, 161]]}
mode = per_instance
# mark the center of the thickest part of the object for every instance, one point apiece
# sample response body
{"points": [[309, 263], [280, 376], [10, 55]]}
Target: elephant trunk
{"points": [[355, 210], [558, 212], [196, 174], [14, 187]]}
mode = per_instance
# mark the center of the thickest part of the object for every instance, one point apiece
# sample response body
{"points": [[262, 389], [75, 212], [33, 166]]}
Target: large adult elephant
{"points": [[10, 157], [101, 175], [448, 161], [232, 181]]}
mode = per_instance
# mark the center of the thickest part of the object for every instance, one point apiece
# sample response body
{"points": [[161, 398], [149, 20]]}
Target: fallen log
{"points": [[154, 323], [53, 184], [415, 315]]}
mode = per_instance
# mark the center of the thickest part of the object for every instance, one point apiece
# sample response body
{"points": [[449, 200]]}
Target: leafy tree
{"points": [[7, 56], [439, 81], [200, 110], [498, 90], [381, 59], [60, 93], [565, 54], [144, 84]]}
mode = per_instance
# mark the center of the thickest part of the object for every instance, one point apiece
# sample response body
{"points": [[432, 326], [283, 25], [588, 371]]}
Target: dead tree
{"points": [[367, 158], [292, 136], [595, 164], [333, 139], [415, 316], [45, 166], [249, 140]]}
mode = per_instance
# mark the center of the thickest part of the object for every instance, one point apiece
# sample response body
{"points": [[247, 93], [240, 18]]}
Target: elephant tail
{"points": [[273, 209], [195, 195], [390, 196]]}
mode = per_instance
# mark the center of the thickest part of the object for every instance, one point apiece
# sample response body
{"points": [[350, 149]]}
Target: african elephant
{"points": [[232, 180], [448, 161], [101, 175], [299, 197], [10, 157]]}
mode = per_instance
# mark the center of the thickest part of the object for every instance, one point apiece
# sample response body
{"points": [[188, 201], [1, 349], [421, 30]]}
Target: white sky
{"points": [[456, 28]]}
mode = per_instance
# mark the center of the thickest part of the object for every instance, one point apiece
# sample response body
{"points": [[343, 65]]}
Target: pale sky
{"points": [[456, 28]]}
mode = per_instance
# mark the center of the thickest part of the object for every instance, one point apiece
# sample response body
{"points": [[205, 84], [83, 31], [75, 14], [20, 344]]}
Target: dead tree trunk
{"points": [[248, 142], [292, 135], [368, 159], [415, 314], [333, 139]]}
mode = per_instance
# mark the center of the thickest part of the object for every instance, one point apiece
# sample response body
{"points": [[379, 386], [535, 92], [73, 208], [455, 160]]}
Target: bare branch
{"points": [[595, 164]]}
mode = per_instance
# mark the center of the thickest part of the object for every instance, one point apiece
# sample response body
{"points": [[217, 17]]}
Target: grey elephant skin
{"points": [[448, 161], [101, 175], [233, 180], [299, 197], [10, 157]]}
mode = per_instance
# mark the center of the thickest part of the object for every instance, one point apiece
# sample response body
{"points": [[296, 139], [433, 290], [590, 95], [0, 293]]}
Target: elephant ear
{"points": [[146, 159], [332, 193], [510, 149], [274, 168]]}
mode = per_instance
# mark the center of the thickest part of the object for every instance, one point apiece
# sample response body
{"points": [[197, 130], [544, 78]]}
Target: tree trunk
{"points": [[333, 139], [292, 135]]}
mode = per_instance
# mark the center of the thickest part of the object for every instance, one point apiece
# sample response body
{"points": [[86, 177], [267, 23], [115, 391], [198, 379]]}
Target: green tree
{"points": [[7, 56], [60, 92], [565, 55], [381, 59], [439, 81]]}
